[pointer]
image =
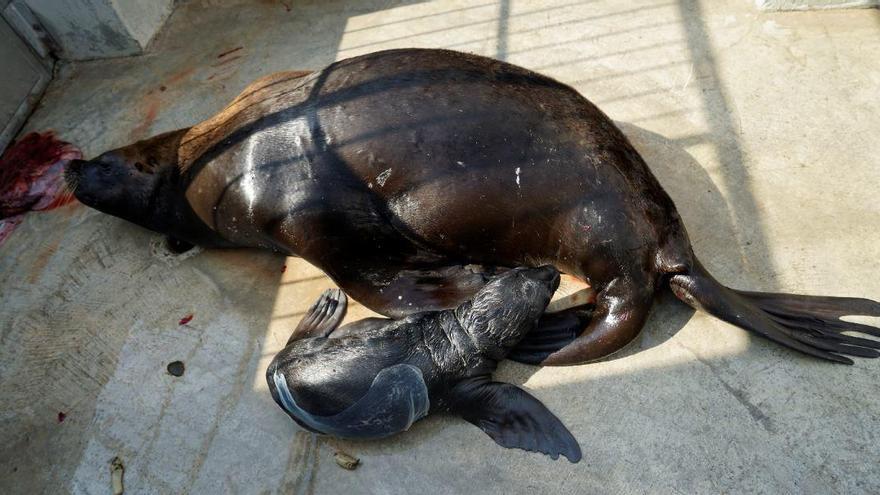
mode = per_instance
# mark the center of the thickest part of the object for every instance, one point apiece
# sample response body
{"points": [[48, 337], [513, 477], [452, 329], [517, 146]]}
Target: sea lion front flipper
{"points": [[513, 418], [322, 317]]}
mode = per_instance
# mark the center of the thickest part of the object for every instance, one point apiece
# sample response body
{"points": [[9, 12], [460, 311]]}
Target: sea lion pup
{"points": [[376, 377], [411, 176]]}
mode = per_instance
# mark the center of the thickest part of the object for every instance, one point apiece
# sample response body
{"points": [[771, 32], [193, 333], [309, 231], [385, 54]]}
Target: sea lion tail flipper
{"points": [[554, 331], [513, 418], [322, 317], [810, 324]]}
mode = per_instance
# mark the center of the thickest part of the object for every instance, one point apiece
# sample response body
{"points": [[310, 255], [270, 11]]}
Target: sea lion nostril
{"points": [[75, 165]]}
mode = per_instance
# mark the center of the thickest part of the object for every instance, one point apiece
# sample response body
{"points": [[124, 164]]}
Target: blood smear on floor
{"points": [[32, 177]]}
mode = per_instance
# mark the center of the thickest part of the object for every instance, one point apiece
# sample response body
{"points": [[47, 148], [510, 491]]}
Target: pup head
{"points": [[507, 308]]}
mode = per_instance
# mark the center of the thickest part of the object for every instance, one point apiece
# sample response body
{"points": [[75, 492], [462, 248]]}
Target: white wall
{"points": [[22, 80], [144, 18], [101, 28]]}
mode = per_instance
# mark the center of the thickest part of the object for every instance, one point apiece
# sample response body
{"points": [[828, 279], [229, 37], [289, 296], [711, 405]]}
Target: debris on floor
{"points": [[186, 319], [177, 246], [117, 471], [176, 368], [32, 177], [61, 416], [346, 461], [161, 249]]}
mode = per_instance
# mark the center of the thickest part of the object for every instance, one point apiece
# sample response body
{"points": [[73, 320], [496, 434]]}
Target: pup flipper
{"points": [[513, 418], [322, 317]]}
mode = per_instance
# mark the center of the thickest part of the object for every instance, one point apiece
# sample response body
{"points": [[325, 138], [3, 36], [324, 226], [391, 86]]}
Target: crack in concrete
{"points": [[740, 395]]}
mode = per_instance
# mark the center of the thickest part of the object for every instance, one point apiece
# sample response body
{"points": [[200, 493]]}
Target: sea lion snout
{"points": [[75, 165], [547, 274], [537, 281], [114, 183], [72, 171], [521, 287], [105, 165], [91, 180]]}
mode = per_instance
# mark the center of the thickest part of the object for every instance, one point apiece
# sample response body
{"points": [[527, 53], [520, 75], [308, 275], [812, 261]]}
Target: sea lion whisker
{"points": [[67, 190]]}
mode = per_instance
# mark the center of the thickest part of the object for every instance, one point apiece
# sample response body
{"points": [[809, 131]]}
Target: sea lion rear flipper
{"points": [[513, 418], [322, 317], [809, 324]]}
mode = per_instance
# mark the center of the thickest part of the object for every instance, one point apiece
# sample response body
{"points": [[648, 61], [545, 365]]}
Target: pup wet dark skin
{"points": [[376, 377], [412, 176]]}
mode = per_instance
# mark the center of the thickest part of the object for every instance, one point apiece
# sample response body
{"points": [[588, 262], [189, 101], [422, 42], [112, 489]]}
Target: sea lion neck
{"points": [[169, 211], [462, 346], [491, 336]]}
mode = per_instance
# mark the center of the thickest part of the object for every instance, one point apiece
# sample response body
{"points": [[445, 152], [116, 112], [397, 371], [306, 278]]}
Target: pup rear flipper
{"points": [[513, 418], [322, 317], [810, 324]]}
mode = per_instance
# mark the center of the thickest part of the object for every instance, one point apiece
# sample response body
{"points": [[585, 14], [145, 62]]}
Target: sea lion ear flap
{"points": [[322, 317], [513, 418]]}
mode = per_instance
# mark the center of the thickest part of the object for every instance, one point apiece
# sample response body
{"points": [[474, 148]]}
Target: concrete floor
{"points": [[763, 128]]}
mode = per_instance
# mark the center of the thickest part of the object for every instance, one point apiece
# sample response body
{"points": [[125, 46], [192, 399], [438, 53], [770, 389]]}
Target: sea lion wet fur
{"points": [[412, 176], [376, 377]]}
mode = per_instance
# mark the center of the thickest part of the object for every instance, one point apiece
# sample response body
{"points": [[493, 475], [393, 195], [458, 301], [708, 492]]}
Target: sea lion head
{"points": [[507, 308], [136, 182]]}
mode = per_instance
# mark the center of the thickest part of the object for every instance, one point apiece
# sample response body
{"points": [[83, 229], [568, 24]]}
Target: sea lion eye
{"points": [[139, 166]]}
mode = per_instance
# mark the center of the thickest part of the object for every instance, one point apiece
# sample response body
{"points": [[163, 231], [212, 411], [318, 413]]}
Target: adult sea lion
{"points": [[376, 377], [411, 176]]}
